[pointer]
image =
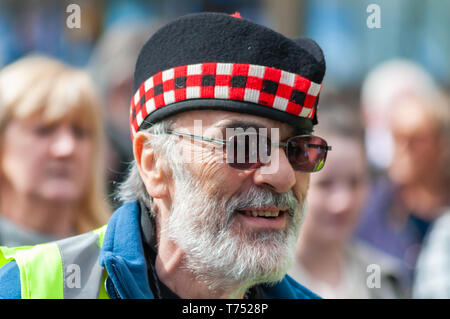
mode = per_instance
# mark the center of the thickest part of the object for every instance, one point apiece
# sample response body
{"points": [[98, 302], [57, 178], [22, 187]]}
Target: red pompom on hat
{"points": [[236, 15]]}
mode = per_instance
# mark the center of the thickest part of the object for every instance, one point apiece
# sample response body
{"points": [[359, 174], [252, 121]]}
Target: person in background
{"points": [[111, 66], [380, 88], [329, 261], [51, 153], [432, 279], [414, 191]]}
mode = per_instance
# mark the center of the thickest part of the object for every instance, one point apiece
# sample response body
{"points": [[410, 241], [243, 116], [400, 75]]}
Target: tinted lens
{"points": [[307, 153], [248, 151]]}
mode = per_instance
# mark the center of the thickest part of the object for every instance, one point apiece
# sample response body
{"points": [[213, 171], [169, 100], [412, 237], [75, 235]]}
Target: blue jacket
{"points": [[123, 257]]}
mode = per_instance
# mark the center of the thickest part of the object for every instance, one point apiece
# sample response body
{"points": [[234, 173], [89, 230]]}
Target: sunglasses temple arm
{"points": [[213, 140]]}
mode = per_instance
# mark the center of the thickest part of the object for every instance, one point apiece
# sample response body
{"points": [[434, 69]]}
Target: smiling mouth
{"points": [[262, 213]]}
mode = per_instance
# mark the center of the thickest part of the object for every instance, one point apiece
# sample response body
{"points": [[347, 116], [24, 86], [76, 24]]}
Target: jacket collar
{"points": [[122, 253]]}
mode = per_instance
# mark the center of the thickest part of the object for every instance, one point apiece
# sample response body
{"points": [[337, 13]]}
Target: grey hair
{"points": [[133, 187]]}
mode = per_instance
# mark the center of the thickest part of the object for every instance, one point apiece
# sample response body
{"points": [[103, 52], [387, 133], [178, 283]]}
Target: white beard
{"points": [[217, 249]]}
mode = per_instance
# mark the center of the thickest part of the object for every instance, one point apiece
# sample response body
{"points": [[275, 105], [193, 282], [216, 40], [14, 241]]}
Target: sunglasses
{"points": [[250, 150]]}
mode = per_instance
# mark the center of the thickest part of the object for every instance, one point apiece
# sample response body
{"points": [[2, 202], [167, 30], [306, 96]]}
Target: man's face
{"points": [[220, 215], [416, 139]]}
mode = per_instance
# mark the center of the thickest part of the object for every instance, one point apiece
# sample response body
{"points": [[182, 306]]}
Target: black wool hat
{"points": [[222, 62]]}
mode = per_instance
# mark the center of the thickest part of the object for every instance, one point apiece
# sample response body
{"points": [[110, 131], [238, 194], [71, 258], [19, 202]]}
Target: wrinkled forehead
{"points": [[212, 120]]}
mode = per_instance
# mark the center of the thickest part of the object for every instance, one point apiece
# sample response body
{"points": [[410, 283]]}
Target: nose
{"points": [[63, 144], [278, 174]]}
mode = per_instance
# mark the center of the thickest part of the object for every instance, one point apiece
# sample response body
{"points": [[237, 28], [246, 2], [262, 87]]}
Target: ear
{"points": [[150, 167]]}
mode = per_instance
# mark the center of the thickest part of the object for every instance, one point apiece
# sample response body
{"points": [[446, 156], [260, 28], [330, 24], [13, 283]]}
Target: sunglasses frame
{"points": [[283, 145]]}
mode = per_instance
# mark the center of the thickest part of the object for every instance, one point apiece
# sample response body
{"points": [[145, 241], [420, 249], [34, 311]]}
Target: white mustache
{"points": [[258, 197]]}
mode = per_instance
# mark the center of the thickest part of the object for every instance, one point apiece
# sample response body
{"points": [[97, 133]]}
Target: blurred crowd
{"points": [[377, 223], [363, 219]]}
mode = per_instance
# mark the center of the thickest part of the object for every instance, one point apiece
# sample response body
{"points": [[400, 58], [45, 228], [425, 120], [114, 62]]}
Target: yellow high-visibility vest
{"points": [[46, 268]]}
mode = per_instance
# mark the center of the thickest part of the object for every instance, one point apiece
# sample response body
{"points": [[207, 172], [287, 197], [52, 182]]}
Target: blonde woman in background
{"points": [[51, 153]]}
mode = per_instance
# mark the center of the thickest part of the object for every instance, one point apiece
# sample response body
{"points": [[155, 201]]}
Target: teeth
{"points": [[256, 213]]}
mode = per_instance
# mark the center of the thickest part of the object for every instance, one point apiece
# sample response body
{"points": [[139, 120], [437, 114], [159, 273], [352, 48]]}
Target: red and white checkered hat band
{"points": [[267, 86]]}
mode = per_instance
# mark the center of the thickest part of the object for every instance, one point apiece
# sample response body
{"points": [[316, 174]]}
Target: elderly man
{"points": [[221, 124]]}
